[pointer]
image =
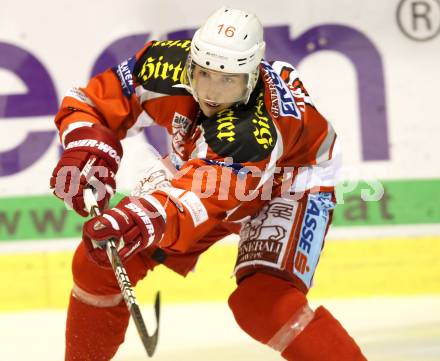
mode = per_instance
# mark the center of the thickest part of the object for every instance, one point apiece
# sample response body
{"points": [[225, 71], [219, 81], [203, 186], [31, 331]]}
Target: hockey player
{"points": [[254, 155]]}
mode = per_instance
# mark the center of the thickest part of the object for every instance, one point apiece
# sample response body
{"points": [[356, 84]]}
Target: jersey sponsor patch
{"points": [[195, 207], [291, 77], [124, 72], [311, 236], [78, 94], [180, 126], [162, 66], [282, 101], [264, 239]]}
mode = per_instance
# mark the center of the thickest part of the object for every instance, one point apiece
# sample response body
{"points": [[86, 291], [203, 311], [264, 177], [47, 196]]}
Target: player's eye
{"points": [[232, 79], [203, 73]]}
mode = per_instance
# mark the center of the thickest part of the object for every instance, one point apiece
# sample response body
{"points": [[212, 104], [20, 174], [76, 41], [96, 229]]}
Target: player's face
{"points": [[217, 90]]}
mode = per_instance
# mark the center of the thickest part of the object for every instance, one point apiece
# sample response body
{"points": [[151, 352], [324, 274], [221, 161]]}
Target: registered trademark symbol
{"points": [[419, 19]]}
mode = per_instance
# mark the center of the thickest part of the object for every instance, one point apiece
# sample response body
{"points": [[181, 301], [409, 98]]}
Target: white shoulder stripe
{"points": [[276, 154], [323, 152], [325, 174], [201, 148], [144, 94]]}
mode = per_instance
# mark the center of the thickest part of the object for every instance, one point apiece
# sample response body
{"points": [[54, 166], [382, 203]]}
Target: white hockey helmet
{"points": [[231, 42]]}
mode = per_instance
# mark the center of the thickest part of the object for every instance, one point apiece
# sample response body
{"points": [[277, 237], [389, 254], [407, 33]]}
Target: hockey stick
{"points": [[150, 342]]}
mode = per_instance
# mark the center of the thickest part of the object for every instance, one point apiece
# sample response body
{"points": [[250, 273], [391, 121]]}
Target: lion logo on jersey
{"points": [[263, 237]]}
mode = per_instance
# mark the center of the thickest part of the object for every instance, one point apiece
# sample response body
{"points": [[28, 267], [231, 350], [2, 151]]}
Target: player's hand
{"points": [[133, 224], [91, 158]]}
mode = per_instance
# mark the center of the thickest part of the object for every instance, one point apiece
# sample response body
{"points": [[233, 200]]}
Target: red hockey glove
{"points": [[133, 224], [91, 157]]}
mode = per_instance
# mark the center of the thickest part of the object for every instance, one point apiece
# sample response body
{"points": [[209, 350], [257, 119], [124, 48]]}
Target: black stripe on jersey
{"points": [[162, 66], [245, 133]]}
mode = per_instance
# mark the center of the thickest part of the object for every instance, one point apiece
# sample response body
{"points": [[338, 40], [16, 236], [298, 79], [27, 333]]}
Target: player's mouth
{"points": [[211, 104], [210, 108]]}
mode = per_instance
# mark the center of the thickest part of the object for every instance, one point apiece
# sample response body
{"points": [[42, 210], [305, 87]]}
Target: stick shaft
{"points": [[149, 342]]}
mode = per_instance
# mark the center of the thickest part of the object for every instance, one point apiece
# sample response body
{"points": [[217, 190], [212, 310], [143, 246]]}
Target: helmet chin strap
{"points": [[187, 87], [252, 82]]}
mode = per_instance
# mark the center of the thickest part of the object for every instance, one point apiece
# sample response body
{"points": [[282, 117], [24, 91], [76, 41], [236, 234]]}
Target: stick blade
{"points": [[149, 342]]}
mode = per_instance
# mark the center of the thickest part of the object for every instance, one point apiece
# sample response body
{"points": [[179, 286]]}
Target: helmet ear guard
{"points": [[230, 41]]}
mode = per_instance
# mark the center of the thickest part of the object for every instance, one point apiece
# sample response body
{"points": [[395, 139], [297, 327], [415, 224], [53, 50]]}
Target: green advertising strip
{"points": [[403, 202]]}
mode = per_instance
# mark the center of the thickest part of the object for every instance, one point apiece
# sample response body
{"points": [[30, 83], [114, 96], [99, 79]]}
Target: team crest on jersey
{"points": [[281, 97], [124, 72]]}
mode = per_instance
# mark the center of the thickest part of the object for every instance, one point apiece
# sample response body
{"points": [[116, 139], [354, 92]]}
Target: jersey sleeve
{"points": [[316, 141], [315, 136], [311, 147], [108, 99]]}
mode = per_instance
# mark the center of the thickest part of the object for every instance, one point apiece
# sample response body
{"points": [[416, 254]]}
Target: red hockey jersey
{"points": [[230, 163]]}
